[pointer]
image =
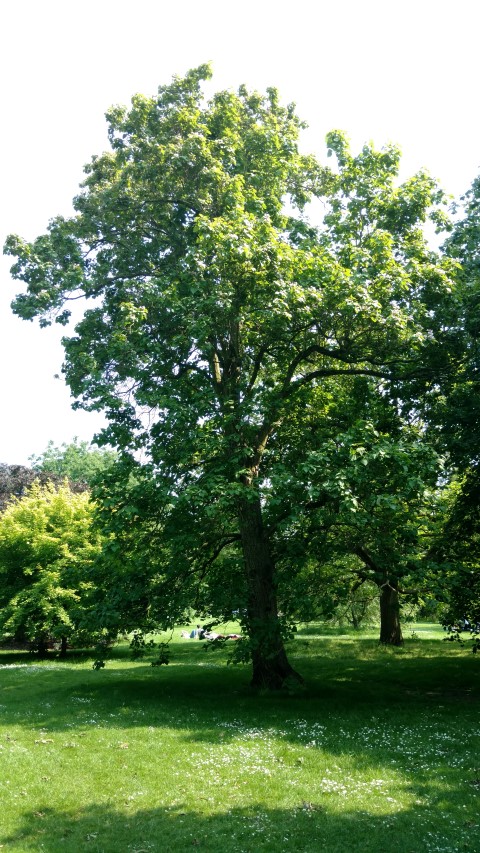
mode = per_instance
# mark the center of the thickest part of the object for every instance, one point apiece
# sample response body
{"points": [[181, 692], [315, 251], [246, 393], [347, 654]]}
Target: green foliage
{"points": [[163, 655], [139, 645], [454, 416], [458, 545], [47, 549]]}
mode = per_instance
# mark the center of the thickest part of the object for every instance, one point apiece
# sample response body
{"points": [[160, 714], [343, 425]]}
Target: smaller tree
{"points": [[458, 545], [453, 415], [47, 548], [357, 506]]}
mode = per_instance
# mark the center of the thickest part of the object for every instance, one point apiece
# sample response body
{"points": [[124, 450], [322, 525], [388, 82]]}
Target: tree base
{"points": [[273, 674], [391, 641]]}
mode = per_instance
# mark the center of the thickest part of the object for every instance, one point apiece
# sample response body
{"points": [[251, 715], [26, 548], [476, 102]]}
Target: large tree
{"points": [[217, 305]]}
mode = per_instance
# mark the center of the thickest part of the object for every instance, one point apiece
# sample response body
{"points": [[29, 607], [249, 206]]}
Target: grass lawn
{"points": [[381, 753]]}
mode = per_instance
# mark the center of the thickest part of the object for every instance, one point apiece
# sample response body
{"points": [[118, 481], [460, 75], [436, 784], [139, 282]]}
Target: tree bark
{"points": [[42, 647], [390, 629], [270, 664], [63, 648]]}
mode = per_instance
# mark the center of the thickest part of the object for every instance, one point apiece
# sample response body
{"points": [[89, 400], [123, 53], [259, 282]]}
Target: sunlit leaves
{"points": [[47, 548]]}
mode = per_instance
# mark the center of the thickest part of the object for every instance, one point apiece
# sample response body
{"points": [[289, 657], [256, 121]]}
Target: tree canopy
{"points": [[220, 310]]}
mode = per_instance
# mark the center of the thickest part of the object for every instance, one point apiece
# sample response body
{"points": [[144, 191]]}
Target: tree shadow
{"points": [[61, 698], [374, 729], [305, 827]]}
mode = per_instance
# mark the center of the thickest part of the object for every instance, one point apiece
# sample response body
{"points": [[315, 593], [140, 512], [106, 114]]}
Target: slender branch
{"points": [[229, 540], [188, 368], [203, 568], [256, 368]]}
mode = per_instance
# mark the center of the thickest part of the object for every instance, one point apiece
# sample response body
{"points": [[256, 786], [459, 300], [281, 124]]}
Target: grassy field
{"points": [[381, 753]]}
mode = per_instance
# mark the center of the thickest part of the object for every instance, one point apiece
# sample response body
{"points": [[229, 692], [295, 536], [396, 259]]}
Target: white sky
{"points": [[383, 70]]}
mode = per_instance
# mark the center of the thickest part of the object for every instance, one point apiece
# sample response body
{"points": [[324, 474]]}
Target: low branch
{"points": [[366, 558]]}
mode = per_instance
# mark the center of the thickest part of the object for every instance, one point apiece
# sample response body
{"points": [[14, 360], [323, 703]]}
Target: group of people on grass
{"points": [[202, 633]]}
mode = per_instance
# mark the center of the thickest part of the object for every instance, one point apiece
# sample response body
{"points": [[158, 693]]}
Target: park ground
{"points": [[380, 753]]}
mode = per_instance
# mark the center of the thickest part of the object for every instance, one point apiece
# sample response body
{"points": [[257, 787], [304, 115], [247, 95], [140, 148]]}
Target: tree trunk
{"points": [[390, 630], [42, 647], [270, 664], [63, 648], [355, 621]]}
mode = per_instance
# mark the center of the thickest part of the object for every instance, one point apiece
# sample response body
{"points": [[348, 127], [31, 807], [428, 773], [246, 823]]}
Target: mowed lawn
{"points": [[380, 753]]}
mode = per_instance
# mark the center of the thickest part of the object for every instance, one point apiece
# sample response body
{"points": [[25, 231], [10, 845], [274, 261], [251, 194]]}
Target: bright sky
{"points": [[405, 71]]}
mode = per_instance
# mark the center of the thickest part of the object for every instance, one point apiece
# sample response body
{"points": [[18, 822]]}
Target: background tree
{"points": [[47, 550], [217, 307], [14, 481], [457, 544], [78, 461]]}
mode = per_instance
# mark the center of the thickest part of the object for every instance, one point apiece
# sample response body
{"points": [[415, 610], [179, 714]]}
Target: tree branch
{"points": [[323, 373], [256, 367]]}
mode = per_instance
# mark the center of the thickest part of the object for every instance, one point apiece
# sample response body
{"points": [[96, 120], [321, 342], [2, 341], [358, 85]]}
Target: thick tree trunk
{"points": [[270, 664], [390, 630]]}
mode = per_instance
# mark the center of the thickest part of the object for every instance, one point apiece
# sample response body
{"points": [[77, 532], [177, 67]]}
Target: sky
{"points": [[382, 70]]}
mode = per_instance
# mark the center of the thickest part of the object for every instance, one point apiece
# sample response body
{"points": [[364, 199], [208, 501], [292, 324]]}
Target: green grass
{"points": [[381, 753]]}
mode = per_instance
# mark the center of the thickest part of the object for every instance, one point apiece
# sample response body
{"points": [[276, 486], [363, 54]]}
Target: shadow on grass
{"points": [[66, 697], [305, 828]]}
